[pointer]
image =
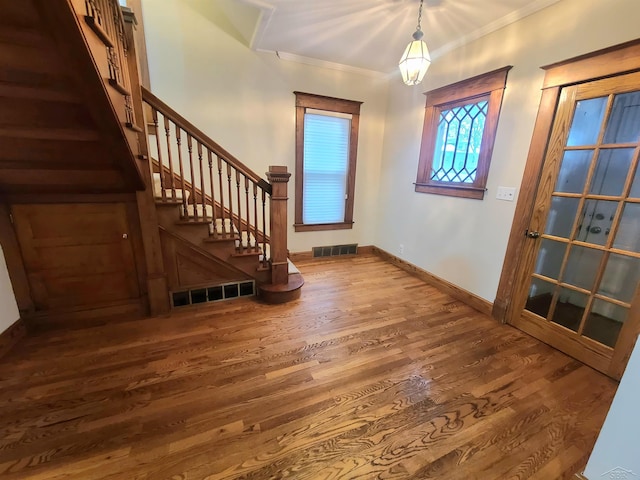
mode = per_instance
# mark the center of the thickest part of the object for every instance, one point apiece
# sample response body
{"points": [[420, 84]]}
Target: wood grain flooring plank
{"points": [[370, 374]]}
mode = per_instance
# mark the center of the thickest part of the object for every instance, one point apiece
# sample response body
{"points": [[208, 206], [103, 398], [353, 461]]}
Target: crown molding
{"points": [[315, 62], [502, 22]]}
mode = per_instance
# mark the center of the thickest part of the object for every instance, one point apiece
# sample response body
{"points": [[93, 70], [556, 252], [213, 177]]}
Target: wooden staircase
{"points": [[59, 131], [208, 198], [79, 133]]}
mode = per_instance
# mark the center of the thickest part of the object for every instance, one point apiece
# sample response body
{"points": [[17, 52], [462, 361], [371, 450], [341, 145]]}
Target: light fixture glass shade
{"points": [[414, 62]]}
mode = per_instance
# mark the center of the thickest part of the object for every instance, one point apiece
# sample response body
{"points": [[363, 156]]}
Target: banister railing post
{"points": [[278, 178], [157, 285]]}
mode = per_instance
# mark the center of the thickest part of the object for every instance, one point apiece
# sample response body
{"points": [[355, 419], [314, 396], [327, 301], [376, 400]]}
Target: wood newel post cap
{"points": [[129, 15], [278, 174]]}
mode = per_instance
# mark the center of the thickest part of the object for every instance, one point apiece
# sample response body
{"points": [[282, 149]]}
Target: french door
{"points": [[579, 290]]}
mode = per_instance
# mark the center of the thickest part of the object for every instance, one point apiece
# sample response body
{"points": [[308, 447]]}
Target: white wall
{"points": [[617, 444], [8, 307], [461, 240], [244, 100]]}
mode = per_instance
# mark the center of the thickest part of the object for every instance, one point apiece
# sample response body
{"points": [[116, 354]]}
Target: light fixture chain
{"points": [[420, 16]]}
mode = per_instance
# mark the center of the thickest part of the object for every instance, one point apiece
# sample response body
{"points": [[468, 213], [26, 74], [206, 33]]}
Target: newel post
{"points": [[157, 285], [278, 178]]}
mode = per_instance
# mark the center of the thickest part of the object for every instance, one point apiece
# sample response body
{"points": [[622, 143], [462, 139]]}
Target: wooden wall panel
{"points": [[77, 254], [187, 266]]}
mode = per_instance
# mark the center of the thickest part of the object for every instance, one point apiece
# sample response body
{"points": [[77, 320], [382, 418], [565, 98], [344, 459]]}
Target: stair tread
{"points": [[171, 203], [218, 238], [247, 254], [193, 221], [282, 293], [16, 90]]}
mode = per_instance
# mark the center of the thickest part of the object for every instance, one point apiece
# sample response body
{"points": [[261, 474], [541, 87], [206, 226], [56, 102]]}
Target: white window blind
{"points": [[326, 162]]}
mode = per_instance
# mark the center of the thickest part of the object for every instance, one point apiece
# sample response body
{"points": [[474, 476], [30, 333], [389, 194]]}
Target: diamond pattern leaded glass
{"points": [[458, 142]]}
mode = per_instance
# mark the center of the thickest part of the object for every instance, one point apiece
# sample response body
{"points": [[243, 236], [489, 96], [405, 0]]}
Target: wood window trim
{"points": [[317, 227], [331, 104], [607, 62], [489, 86]]}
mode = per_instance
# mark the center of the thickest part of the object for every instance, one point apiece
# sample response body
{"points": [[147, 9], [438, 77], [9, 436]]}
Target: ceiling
{"points": [[360, 34]]}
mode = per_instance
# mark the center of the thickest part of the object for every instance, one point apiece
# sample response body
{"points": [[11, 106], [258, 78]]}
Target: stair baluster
{"points": [[193, 200], [163, 193], [247, 209], [222, 209], [105, 18], [265, 260], [116, 74], [214, 213], [203, 195], [255, 217], [230, 193], [93, 11], [167, 131], [241, 243], [124, 81], [185, 211]]}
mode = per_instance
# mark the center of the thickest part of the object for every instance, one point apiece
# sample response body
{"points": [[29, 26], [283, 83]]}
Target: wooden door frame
{"points": [[612, 61]]}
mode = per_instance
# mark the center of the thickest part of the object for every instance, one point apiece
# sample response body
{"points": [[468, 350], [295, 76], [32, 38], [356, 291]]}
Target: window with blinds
{"points": [[326, 149], [326, 164]]}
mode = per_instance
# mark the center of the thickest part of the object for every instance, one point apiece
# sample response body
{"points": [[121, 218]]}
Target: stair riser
{"points": [[224, 250], [168, 215]]}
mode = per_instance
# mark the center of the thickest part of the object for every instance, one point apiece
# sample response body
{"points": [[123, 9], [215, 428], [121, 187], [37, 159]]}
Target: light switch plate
{"points": [[506, 193]]}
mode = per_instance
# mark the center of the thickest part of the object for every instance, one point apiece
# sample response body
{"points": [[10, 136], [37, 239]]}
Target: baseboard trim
{"points": [[471, 299], [301, 256], [83, 317], [11, 336]]}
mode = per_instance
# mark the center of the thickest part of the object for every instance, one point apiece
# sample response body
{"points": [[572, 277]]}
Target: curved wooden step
{"points": [[274, 294]]}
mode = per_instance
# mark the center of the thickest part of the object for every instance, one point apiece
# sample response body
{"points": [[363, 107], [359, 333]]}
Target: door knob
{"points": [[533, 234]]}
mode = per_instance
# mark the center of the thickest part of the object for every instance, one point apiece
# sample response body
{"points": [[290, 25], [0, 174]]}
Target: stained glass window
{"points": [[458, 142], [460, 124]]}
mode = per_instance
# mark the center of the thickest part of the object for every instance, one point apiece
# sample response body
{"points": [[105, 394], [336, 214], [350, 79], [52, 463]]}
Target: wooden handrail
{"points": [[238, 198], [232, 204], [201, 137]]}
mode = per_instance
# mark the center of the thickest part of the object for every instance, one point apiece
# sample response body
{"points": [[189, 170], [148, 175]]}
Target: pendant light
{"points": [[416, 60]]}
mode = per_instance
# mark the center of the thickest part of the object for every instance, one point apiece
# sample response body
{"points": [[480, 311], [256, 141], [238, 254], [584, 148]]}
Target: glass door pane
{"points": [[587, 269]]}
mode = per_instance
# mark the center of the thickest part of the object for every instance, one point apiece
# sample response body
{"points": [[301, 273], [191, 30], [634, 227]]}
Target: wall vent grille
{"points": [[335, 250], [214, 293]]}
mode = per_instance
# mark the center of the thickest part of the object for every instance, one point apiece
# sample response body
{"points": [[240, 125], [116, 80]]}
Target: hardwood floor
{"points": [[371, 374]]}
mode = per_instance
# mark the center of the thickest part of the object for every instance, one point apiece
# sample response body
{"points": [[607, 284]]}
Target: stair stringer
{"points": [[188, 266], [196, 234]]}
